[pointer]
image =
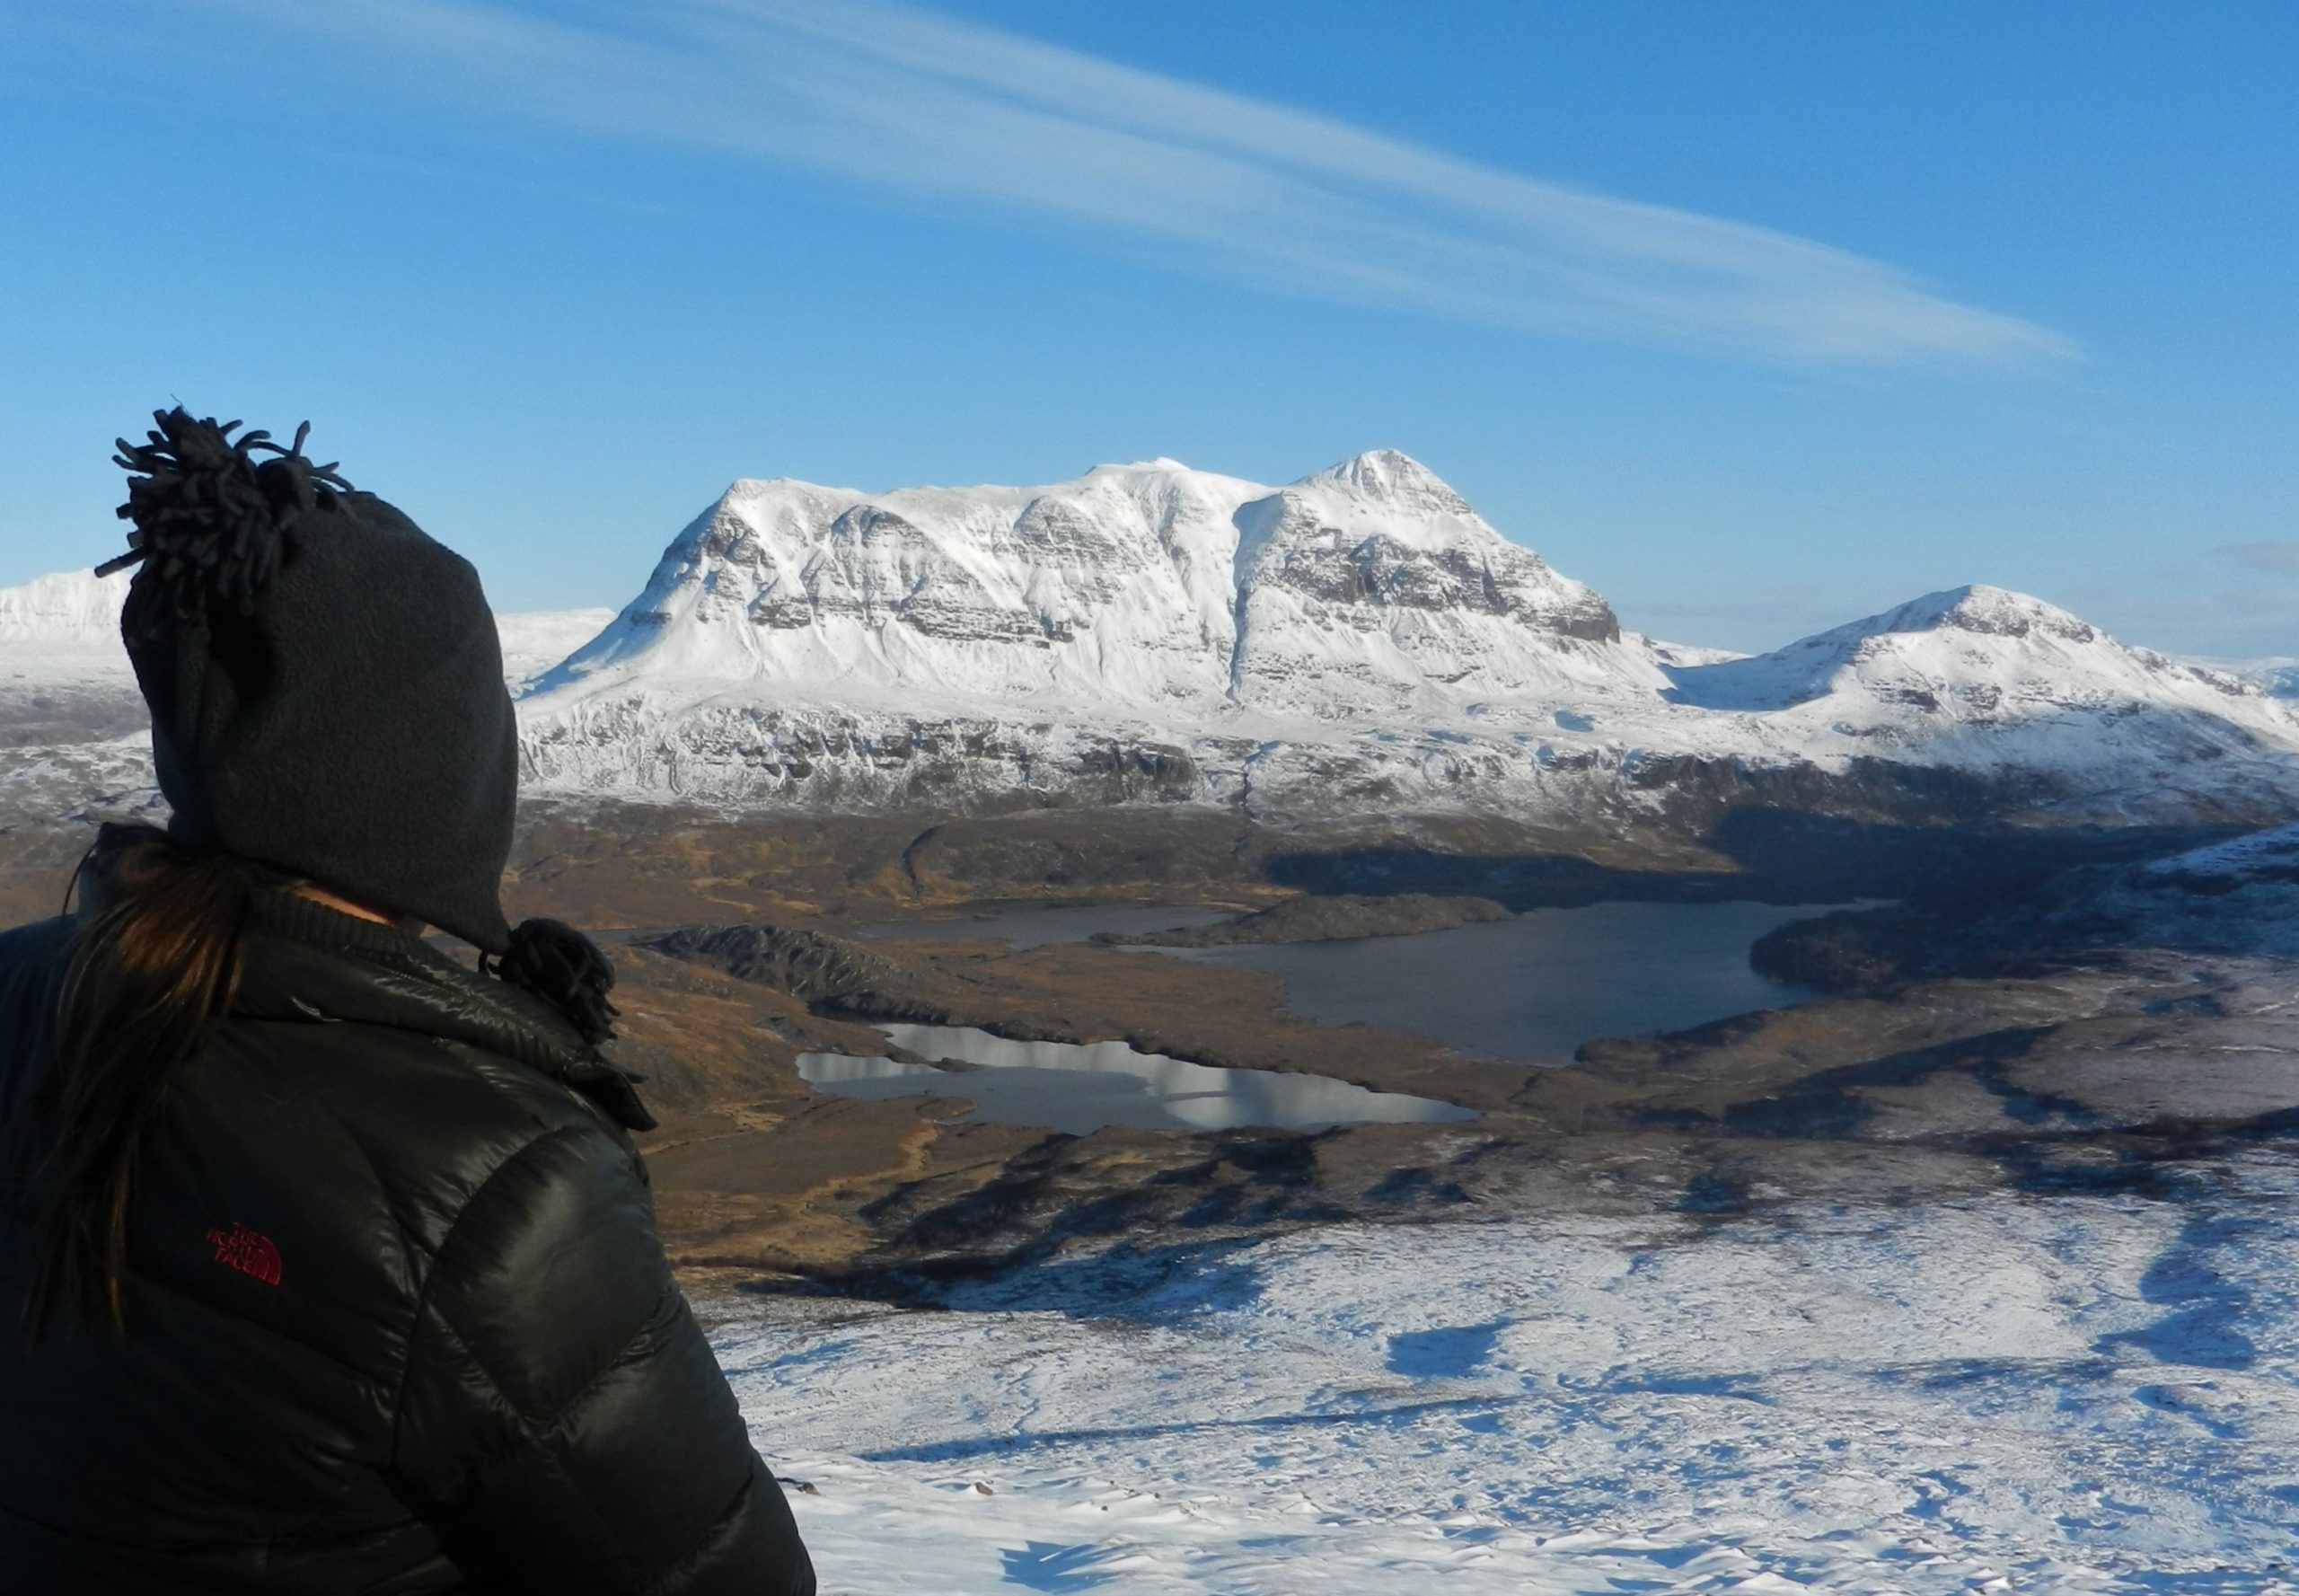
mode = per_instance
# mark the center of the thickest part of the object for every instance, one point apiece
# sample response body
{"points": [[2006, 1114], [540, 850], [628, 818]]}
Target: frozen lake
{"points": [[1081, 1087], [2056, 1393]]}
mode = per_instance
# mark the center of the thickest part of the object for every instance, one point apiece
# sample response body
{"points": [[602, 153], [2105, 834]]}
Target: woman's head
{"points": [[325, 682]]}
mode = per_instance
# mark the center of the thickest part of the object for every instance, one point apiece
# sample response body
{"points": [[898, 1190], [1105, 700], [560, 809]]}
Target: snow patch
{"points": [[1944, 1396]]}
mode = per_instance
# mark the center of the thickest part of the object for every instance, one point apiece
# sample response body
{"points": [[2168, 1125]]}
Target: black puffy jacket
{"points": [[398, 1319]]}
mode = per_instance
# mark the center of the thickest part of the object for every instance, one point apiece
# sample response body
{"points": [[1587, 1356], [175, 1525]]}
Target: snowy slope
{"points": [[1358, 641], [72, 724], [534, 640], [70, 607], [61, 628], [69, 622], [2065, 1393], [2240, 897], [2276, 677]]}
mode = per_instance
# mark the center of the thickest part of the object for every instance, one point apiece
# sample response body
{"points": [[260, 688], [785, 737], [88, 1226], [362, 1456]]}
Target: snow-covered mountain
{"points": [[62, 632], [1372, 591], [1971, 653], [1357, 644], [1986, 680], [1358, 641], [69, 607], [1365, 592]]}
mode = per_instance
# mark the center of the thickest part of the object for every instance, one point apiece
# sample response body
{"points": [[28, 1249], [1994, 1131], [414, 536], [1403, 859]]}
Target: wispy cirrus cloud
{"points": [[2275, 554], [900, 99]]}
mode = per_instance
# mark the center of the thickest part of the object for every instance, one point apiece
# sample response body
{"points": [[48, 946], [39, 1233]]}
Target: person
{"points": [[331, 1262]]}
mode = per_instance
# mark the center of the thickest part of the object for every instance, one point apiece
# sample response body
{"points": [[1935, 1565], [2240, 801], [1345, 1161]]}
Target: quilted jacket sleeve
{"points": [[563, 1423]]}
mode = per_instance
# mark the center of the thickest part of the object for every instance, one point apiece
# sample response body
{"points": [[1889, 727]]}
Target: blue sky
{"points": [[1759, 317]]}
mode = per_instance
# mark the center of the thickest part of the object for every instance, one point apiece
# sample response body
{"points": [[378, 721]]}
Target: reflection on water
{"points": [[1534, 987], [1079, 1088], [1032, 925]]}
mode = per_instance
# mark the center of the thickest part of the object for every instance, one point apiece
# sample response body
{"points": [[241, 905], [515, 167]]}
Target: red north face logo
{"points": [[250, 1252]]}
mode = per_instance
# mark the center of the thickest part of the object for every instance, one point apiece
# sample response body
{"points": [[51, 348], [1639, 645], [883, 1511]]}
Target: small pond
{"points": [[1081, 1088]]}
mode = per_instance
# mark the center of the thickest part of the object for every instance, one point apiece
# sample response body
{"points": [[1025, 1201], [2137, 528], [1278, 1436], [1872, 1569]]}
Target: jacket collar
{"points": [[304, 961]]}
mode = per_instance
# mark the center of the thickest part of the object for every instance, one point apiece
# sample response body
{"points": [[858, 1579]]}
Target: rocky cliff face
{"points": [[1373, 591]]}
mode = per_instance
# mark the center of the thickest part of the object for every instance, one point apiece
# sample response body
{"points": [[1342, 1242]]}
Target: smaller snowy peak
{"points": [[1971, 655], [1976, 609], [69, 607]]}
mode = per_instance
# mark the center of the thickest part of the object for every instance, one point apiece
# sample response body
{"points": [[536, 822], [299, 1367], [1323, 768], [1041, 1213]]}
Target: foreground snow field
{"points": [[2055, 1392]]}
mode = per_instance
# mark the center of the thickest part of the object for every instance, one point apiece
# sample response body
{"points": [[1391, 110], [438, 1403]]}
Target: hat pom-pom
{"points": [[564, 968], [211, 519]]}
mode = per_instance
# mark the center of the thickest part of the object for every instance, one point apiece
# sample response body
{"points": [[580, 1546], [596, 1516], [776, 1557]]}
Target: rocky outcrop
{"points": [[2236, 898], [831, 973]]}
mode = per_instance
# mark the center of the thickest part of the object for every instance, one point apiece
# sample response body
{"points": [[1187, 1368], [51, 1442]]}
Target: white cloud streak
{"points": [[2279, 555], [954, 113]]}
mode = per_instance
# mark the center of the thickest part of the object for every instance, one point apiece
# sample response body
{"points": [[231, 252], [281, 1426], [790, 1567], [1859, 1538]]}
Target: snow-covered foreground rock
{"points": [[2053, 1392]]}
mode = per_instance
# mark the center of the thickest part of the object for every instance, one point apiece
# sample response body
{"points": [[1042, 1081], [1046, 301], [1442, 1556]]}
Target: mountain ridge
{"points": [[1359, 643]]}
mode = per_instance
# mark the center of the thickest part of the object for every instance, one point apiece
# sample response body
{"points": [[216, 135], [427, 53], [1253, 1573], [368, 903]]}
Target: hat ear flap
{"points": [[564, 968]]}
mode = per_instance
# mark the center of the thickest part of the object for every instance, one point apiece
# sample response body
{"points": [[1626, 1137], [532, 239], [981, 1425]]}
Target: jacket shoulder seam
{"points": [[422, 1303]]}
